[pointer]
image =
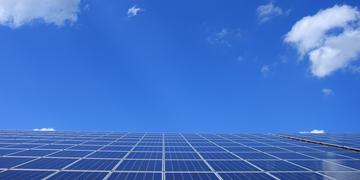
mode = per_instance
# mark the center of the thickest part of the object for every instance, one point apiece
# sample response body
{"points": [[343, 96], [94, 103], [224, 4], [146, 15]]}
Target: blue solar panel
{"points": [[47, 163], [140, 165], [111, 155], [71, 153], [117, 148], [34, 153], [300, 176], [182, 155], [349, 163], [218, 156], [277, 165], [144, 155], [53, 146], [232, 166], [290, 156], [79, 175], [7, 151], [9, 162], [20, 174], [135, 176], [326, 155], [255, 156], [185, 165], [93, 164], [320, 165], [343, 175], [108, 155], [191, 176], [249, 176], [148, 148]]}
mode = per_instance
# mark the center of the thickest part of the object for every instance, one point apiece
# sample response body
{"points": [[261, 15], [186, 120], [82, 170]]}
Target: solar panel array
{"points": [[171, 156]]}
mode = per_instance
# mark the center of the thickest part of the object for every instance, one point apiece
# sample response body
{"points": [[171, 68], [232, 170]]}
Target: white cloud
{"points": [[331, 39], [354, 69], [44, 129], [327, 92], [225, 37], [265, 70], [16, 13], [315, 131], [268, 11], [133, 11]]}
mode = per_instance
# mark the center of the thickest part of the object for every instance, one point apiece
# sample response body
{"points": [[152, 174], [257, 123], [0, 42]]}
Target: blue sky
{"points": [[180, 66]]}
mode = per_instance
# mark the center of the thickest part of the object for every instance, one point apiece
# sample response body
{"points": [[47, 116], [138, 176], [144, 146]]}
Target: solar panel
{"points": [[21, 174], [78, 175], [167, 156]]}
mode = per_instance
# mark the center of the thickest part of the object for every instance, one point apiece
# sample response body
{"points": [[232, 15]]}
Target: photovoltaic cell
{"points": [[9, 162], [218, 156], [108, 155], [140, 165], [79, 175], [248, 176], [343, 175], [277, 165], [34, 153], [144, 155], [233, 165], [320, 165], [185, 165], [182, 156], [135, 176], [67, 153], [93, 164], [191, 176], [47, 163], [7, 151], [250, 156], [299, 176], [20, 174]]}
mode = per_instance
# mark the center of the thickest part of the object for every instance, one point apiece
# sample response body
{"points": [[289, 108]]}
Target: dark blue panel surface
{"points": [[319, 165], [79, 175], [145, 155], [34, 153], [9, 162], [191, 176], [140, 165], [232, 166], [246, 176], [299, 176], [182, 156], [135, 176], [277, 165], [71, 154], [93, 164], [259, 155], [47, 163], [185, 165], [108, 155], [218, 156], [28, 175]]}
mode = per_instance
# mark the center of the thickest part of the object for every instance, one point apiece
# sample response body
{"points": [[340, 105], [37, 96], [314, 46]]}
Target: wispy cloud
{"points": [[16, 13], [327, 92], [225, 37], [134, 11], [265, 70], [268, 11], [331, 39], [44, 129], [315, 131]]}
